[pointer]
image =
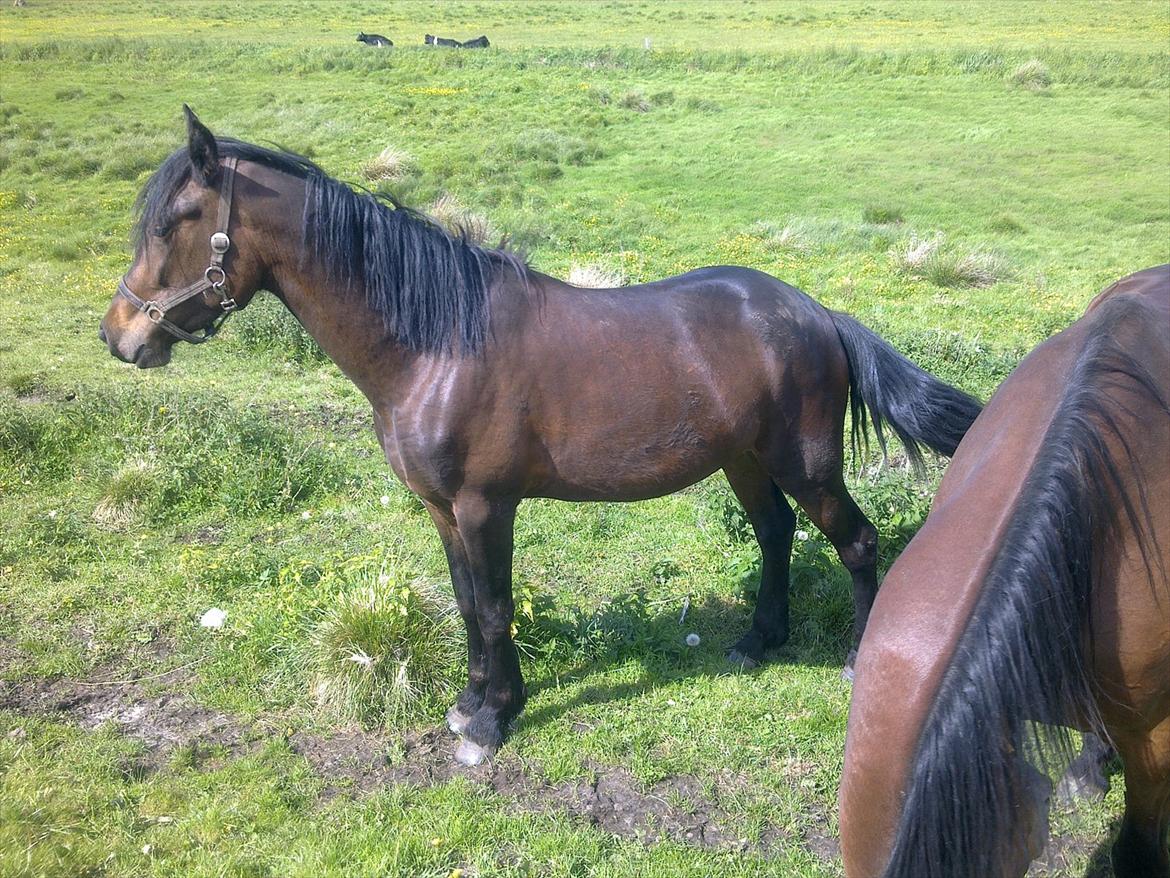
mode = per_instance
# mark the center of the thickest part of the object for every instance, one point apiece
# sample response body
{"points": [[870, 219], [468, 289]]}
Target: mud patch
{"points": [[162, 722], [683, 808]]}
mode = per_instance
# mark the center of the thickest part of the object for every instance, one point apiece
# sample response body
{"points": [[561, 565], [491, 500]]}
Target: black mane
{"points": [[1023, 655], [430, 287]]}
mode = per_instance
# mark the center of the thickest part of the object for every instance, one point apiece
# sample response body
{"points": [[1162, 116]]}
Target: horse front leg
{"points": [[471, 698], [486, 528]]}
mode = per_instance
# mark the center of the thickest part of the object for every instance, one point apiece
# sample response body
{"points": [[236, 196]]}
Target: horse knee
{"points": [[861, 553]]}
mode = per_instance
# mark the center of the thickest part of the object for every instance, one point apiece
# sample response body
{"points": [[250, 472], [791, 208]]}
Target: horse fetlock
{"points": [[457, 720]]}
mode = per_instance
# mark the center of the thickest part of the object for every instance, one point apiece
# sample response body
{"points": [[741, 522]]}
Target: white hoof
{"points": [[471, 754], [457, 720]]}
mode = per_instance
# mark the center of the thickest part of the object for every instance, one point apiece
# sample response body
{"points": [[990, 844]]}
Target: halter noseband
{"points": [[214, 276]]}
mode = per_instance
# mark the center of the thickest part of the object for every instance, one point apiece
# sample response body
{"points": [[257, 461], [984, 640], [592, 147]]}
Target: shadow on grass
{"points": [[632, 627]]}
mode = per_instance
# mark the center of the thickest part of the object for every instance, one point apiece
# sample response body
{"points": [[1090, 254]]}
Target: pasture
{"points": [[962, 178]]}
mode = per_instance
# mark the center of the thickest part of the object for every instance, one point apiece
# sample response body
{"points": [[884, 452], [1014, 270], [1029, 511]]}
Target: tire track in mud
{"points": [[680, 808]]}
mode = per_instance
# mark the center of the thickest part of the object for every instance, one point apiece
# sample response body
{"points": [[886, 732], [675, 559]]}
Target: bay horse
{"points": [[491, 382], [1036, 593]]}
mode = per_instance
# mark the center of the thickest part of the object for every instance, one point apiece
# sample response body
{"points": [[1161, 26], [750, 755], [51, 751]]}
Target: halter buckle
{"points": [[220, 242], [213, 270], [153, 312]]}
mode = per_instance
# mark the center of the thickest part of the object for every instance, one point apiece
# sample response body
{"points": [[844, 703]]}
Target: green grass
{"points": [[817, 142]]}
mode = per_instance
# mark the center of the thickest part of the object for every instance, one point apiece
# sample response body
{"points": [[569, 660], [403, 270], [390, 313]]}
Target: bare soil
{"points": [[355, 762]]}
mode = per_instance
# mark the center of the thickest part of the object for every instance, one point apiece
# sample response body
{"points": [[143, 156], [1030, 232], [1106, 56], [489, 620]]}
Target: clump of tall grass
{"points": [[1033, 75], [391, 163], [450, 213], [881, 214], [129, 490], [266, 325], [596, 276], [385, 651], [929, 259], [778, 237], [25, 384], [635, 100], [545, 145]]}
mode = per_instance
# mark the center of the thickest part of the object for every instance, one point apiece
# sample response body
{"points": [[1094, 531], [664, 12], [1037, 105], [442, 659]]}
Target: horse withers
{"points": [[1036, 593], [491, 382]]}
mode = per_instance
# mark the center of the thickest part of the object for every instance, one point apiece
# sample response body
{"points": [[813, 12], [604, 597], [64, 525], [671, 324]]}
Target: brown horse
{"points": [[1035, 593], [491, 382]]}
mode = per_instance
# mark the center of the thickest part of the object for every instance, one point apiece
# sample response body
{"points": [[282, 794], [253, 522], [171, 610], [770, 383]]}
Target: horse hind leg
{"points": [[831, 508], [774, 524], [1141, 847], [1086, 777]]}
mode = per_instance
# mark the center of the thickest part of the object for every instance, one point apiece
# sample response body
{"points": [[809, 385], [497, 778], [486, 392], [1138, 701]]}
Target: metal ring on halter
{"points": [[153, 312], [222, 275]]}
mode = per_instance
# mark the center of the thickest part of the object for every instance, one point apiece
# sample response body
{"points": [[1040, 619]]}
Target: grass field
{"points": [[904, 162]]}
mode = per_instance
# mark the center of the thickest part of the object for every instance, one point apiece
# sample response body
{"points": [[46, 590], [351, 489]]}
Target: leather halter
{"points": [[214, 278]]}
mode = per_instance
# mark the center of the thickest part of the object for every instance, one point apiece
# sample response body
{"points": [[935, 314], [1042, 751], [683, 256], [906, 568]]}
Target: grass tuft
{"points": [[596, 276], [129, 490], [1005, 222], [390, 164], [385, 651], [1033, 75], [266, 325], [927, 258], [450, 213], [635, 100], [881, 214]]}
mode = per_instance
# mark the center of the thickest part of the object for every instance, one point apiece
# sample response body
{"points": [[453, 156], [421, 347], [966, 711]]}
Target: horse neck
{"points": [[350, 333]]}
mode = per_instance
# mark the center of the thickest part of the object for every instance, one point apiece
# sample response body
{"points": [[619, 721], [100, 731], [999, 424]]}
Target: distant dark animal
{"points": [[491, 382], [374, 40], [477, 43], [1037, 591], [432, 40]]}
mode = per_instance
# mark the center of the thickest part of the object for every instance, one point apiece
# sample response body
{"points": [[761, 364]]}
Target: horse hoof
{"points": [[471, 754], [744, 661], [1073, 789], [847, 671], [457, 720]]}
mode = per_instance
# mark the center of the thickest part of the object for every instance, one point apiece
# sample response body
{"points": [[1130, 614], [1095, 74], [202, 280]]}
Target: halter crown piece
{"points": [[214, 278]]}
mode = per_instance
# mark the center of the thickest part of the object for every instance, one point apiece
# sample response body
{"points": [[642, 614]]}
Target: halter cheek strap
{"points": [[214, 278]]}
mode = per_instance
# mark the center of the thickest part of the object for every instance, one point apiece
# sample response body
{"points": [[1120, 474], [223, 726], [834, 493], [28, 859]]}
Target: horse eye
{"points": [[161, 231]]}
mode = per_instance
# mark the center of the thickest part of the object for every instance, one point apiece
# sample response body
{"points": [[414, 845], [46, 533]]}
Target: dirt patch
{"points": [[680, 808], [163, 722]]}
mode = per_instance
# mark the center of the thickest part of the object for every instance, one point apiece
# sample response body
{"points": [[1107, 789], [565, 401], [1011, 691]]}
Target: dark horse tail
{"points": [[921, 409], [1021, 658]]}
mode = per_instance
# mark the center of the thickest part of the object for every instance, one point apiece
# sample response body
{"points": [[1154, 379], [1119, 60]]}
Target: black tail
{"points": [[921, 409]]}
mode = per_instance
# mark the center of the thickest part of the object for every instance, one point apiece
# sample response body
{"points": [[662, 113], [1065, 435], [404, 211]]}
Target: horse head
{"points": [[192, 263]]}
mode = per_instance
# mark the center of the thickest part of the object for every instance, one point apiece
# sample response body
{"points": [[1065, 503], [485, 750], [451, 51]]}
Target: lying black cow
{"points": [[374, 40], [477, 43]]}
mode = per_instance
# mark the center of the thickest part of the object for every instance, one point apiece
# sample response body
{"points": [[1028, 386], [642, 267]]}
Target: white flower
{"points": [[385, 500], [213, 618], [692, 639], [802, 535], [306, 515]]}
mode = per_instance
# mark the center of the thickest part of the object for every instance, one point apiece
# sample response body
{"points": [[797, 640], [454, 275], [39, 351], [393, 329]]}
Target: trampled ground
{"points": [[825, 144]]}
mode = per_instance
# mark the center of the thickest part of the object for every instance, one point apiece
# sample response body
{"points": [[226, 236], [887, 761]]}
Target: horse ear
{"points": [[202, 148]]}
